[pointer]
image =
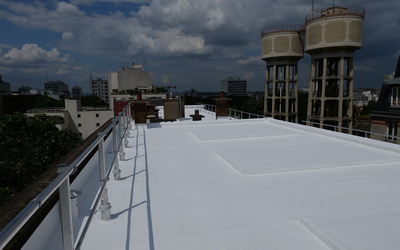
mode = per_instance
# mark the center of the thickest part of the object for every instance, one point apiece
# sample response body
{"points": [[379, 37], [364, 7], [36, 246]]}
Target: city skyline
{"points": [[184, 43]]}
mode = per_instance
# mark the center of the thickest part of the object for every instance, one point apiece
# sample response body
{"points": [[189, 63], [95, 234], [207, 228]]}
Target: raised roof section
{"points": [[336, 11]]}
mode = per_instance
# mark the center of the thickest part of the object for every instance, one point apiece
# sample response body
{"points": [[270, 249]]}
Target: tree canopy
{"points": [[43, 101], [92, 100], [28, 147]]}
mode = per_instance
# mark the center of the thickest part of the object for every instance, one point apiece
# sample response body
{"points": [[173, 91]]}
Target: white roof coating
{"points": [[251, 184]]}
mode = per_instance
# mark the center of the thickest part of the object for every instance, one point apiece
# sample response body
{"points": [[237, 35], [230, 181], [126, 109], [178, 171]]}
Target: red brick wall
{"points": [[222, 108], [119, 106]]}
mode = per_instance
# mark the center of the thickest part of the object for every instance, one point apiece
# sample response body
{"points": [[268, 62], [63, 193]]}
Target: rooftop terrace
{"points": [[242, 184]]}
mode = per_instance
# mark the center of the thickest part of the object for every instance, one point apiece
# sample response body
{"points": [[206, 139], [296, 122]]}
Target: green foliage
{"points": [[43, 101], [253, 106], [132, 91], [371, 106], [92, 101], [159, 89], [28, 147]]}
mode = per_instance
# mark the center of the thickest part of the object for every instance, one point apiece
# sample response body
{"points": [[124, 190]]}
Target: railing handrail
{"points": [[282, 28], [350, 10], [235, 110], [358, 130], [18, 222]]}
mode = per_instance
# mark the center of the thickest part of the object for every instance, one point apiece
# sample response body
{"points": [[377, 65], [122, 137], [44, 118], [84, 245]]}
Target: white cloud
{"points": [[251, 60], [68, 36], [89, 2], [30, 53]]}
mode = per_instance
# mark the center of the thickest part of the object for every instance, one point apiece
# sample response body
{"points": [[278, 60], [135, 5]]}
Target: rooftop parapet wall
{"points": [[348, 10]]}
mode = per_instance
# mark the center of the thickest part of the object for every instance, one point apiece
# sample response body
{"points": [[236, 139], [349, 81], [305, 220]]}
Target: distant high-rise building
{"points": [[99, 87], [76, 92], [57, 88], [4, 86], [234, 86], [133, 77], [24, 89]]}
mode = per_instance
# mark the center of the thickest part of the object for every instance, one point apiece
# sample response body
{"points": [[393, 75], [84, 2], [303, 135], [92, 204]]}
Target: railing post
{"points": [[241, 114], [66, 215], [117, 170], [105, 206], [121, 136], [120, 125]]}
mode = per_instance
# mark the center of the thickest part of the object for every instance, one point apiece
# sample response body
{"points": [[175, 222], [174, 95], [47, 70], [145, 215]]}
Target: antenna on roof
{"points": [[312, 5], [333, 3]]}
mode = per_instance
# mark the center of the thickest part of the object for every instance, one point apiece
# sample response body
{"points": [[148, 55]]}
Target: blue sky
{"points": [[187, 43]]}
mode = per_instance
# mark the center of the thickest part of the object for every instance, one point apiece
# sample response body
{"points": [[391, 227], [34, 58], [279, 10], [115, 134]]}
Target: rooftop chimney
{"points": [[222, 105], [139, 95]]}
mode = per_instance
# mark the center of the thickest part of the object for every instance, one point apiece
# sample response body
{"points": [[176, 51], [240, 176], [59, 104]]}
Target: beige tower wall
{"points": [[334, 31], [287, 44]]}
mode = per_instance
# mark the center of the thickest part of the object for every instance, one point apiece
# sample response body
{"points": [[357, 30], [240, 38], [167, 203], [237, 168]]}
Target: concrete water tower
{"points": [[282, 48], [332, 36]]}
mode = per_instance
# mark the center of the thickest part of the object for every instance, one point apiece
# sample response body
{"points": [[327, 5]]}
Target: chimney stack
{"points": [[222, 106]]}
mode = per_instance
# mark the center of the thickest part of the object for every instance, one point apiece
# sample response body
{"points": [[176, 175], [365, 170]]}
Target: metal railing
{"points": [[282, 28], [235, 114], [62, 185], [46, 110], [366, 133], [336, 11]]}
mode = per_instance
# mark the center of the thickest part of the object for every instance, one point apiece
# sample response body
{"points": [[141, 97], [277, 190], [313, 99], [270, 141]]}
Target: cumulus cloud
{"points": [[251, 60], [89, 2], [30, 53]]}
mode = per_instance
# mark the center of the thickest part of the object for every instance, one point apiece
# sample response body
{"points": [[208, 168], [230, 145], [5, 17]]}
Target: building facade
{"points": [[130, 77], [24, 90], [100, 88], [16, 103], [234, 86], [81, 121], [4, 86], [76, 92], [57, 88], [386, 118]]}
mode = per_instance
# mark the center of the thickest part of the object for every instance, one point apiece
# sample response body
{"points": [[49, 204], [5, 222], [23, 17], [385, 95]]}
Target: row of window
{"points": [[80, 125], [394, 97], [97, 115], [391, 131]]}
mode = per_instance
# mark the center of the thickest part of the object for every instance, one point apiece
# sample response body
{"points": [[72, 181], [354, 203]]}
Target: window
{"points": [[97, 124], [79, 125], [79, 115], [80, 134], [394, 97], [391, 131], [97, 115]]}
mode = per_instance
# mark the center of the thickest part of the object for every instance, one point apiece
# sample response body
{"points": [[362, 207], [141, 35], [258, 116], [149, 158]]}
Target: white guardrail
{"points": [[236, 114], [119, 128]]}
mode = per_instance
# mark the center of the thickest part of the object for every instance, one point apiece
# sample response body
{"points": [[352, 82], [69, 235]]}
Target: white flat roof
{"points": [[251, 184]]}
